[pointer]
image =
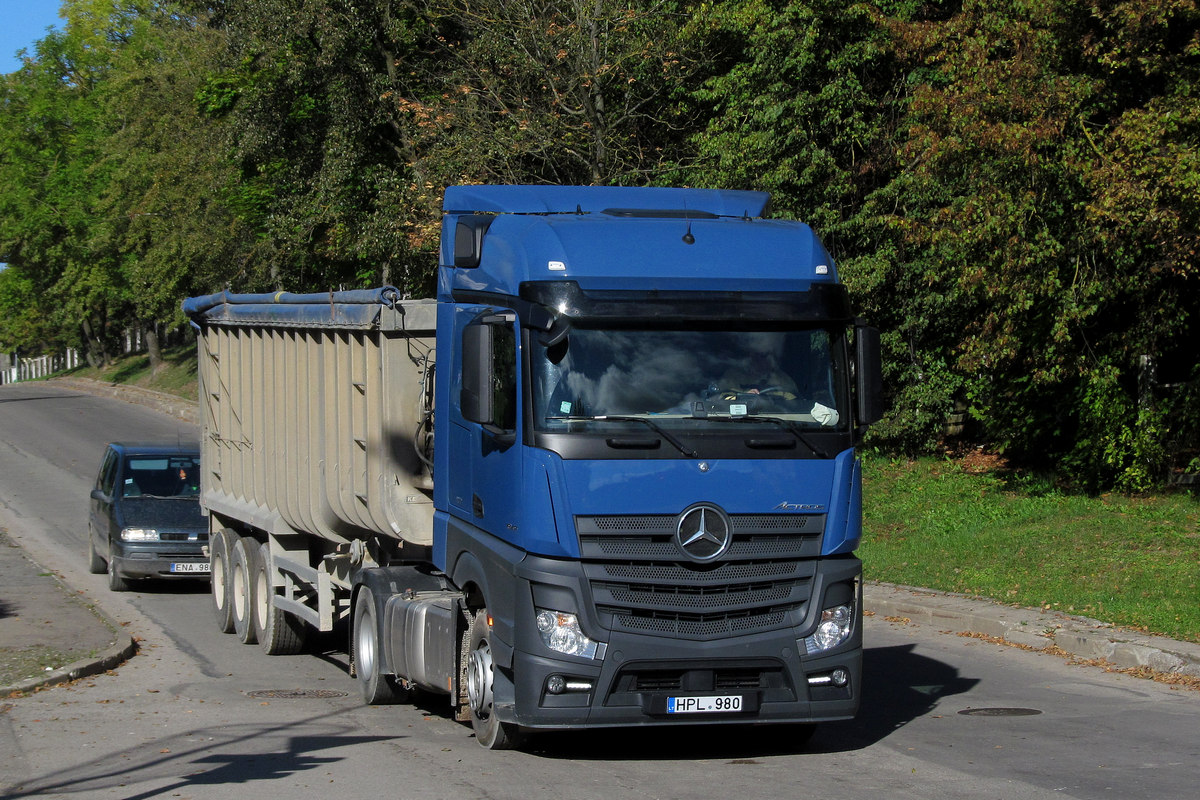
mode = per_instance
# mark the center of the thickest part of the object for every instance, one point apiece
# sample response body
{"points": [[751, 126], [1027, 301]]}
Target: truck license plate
{"points": [[704, 705], [191, 566]]}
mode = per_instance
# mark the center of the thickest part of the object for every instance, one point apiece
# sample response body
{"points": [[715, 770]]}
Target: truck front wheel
{"points": [[490, 732]]}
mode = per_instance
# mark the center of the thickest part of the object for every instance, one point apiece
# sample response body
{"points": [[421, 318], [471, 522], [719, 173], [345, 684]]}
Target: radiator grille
{"points": [[172, 536], [641, 582]]}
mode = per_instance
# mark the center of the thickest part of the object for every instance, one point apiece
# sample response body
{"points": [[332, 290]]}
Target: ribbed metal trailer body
{"points": [[314, 424]]}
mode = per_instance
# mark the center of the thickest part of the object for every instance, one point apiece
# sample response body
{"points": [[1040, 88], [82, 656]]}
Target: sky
{"points": [[23, 22]]}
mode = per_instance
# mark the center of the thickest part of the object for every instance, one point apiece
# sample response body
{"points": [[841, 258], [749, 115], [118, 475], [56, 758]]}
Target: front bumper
{"points": [[770, 673], [160, 560], [639, 675]]}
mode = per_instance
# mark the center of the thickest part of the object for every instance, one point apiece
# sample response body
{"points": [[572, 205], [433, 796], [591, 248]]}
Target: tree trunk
{"points": [[154, 349], [93, 349]]}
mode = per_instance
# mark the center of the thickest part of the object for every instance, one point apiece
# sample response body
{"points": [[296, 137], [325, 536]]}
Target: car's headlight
{"points": [[834, 628], [139, 535], [560, 632]]}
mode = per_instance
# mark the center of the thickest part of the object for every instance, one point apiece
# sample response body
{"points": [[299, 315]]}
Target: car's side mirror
{"points": [[99, 495]]}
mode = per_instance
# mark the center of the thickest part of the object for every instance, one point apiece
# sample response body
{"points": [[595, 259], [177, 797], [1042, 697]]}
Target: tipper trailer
{"points": [[606, 478]]}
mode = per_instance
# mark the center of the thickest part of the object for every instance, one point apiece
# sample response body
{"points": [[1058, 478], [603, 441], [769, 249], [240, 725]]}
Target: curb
{"points": [[86, 667], [1035, 629], [123, 645]]}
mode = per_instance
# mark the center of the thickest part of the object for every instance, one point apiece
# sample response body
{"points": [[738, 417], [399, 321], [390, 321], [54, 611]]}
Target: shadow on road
{"points": [[223, 757]]}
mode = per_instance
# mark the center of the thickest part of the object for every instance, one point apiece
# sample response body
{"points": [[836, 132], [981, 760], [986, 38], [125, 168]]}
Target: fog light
{"points": [[838, 677], [556, 684], [560, 632]]}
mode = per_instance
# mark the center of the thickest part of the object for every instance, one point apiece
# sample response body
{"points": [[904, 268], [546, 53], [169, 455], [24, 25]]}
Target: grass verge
{"points": [[960, 527], [177, 375]]}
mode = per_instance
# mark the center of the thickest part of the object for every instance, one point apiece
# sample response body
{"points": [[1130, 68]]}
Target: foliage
{"points": [[1012, 284], [557, 91], [1011, 189]]}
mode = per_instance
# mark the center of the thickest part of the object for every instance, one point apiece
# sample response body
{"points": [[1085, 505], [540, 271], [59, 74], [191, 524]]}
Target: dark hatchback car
{"points": [[145, 519]]}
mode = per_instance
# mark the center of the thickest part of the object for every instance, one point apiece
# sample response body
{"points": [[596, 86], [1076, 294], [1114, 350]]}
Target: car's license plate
{"points": [[201, 567], [708, 704]]}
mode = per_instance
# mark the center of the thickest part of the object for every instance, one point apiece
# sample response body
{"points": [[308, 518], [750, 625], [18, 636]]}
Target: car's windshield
{"points": [[677, 377], [161, 476]]}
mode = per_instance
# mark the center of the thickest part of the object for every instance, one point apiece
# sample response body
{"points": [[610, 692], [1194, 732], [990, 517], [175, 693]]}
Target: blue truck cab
{"points": [[646, 485]]}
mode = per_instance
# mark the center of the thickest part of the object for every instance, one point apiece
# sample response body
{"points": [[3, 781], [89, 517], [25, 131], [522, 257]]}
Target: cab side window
{"points": [[504, 378]]}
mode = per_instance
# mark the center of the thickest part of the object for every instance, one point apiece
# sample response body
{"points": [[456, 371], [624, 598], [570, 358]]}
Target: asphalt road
{"points": [[197, 715]]}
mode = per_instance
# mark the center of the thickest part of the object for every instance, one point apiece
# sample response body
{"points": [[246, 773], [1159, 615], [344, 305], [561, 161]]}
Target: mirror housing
{"points": [[488, 395], [468, 239], [868, 374], [477, 378]]}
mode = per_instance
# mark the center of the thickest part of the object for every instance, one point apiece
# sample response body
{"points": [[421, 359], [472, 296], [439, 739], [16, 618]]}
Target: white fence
{"points": [[25, 369]]}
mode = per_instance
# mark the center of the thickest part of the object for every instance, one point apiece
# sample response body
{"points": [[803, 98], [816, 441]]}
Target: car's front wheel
{"points": [[95, 562], [116, 581]]}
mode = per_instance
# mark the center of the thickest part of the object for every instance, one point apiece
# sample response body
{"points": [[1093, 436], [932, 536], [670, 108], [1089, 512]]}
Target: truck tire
{"points": [[219, 546], [241, 587], [490, 732], [116, 581], [278, 632], [377, 688], [96, 564]]}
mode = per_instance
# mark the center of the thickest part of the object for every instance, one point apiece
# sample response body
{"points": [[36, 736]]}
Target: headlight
{"points": [[834, 628], [560, 632], [139, 535]]}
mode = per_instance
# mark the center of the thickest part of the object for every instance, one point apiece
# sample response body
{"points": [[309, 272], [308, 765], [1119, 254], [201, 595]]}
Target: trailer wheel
{"points": [[241, 587], [490, 732], [222, 595], [377, 689], [278, 632]]}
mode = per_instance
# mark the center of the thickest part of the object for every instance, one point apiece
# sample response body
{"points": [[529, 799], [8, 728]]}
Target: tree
{"points": [[51, 132], [324, 135], [162, 211], [1021, 150], [559, 91]]}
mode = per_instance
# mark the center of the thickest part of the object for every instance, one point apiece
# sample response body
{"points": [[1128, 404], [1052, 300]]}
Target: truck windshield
{"points": [[683, 379]]}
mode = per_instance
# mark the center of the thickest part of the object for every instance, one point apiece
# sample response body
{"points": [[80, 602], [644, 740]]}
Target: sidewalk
{"points": [[39, 614], [48, 634], [1051, 631]]}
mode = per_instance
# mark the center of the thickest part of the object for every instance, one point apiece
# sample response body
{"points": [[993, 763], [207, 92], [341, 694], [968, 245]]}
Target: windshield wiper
{"points": [[654, 426], [788, 425]]}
